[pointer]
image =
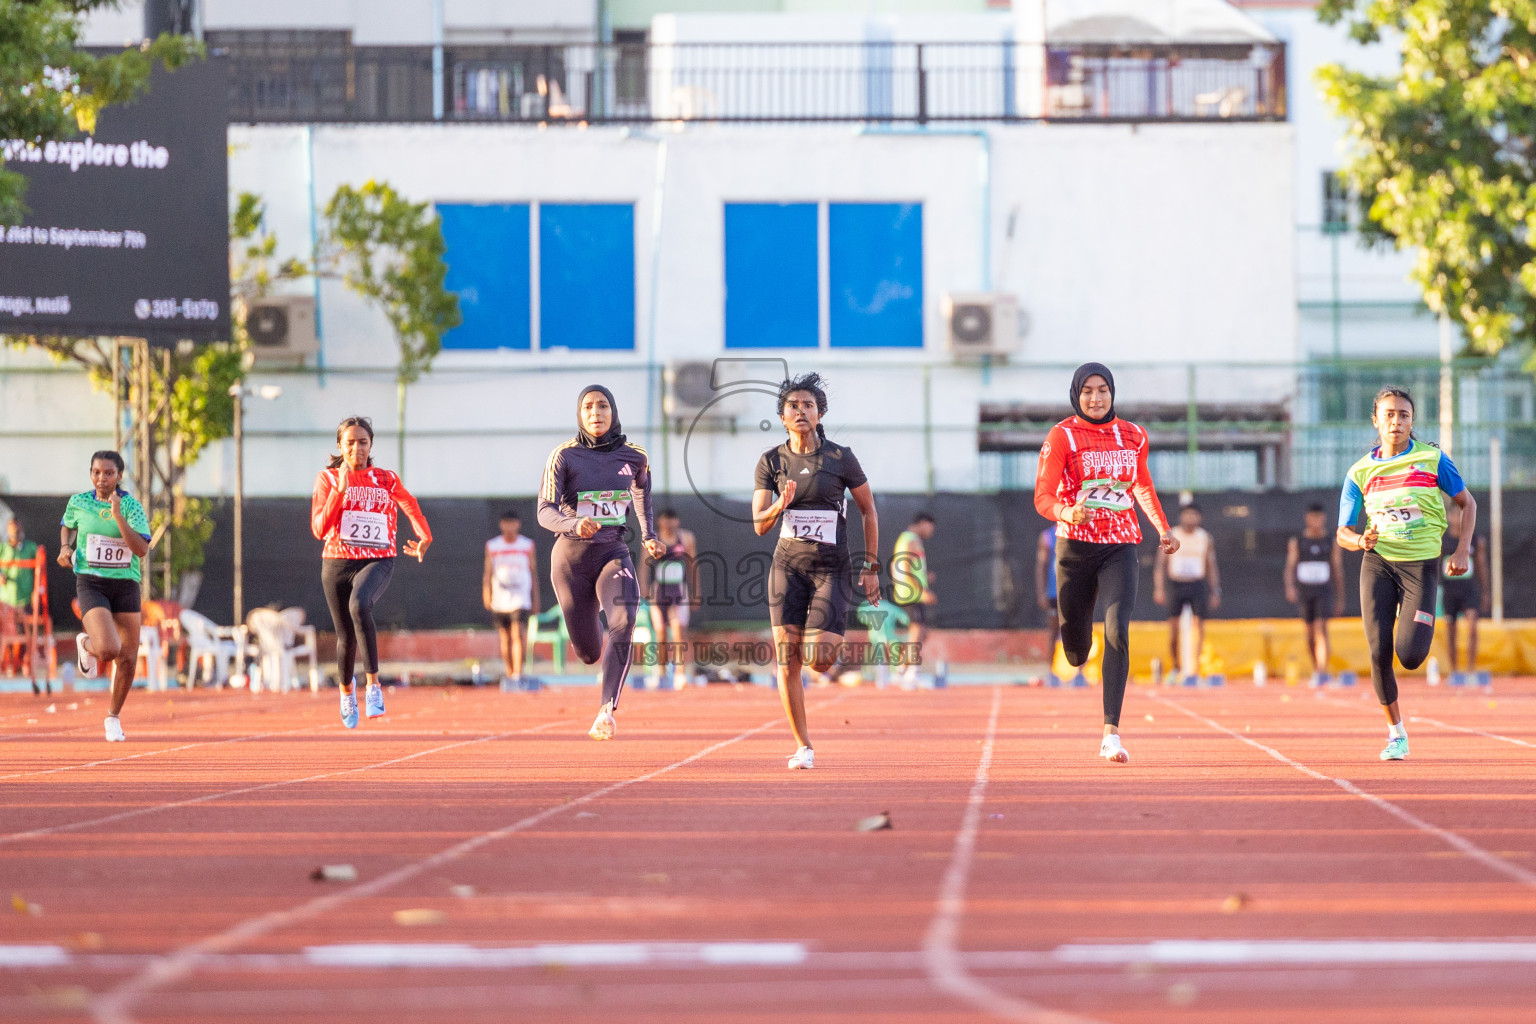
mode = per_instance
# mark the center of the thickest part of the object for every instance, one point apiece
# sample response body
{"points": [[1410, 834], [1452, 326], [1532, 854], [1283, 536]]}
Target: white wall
{"points": [[1159, 245], [402, 22], [1378, 299], [119, 26]]}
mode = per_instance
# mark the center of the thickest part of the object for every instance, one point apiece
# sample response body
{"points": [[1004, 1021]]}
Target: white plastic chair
{"points": [[305, 644], [281, 638], [213, 650], [156, 669]]}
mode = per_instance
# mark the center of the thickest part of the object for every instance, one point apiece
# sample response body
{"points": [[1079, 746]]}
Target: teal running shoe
{"points": [[349, 709], [1396, 749]]}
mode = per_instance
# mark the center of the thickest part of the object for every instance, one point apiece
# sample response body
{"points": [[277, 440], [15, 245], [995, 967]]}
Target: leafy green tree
{"points": [[49, 89], [1444, 154], [390, 250]]}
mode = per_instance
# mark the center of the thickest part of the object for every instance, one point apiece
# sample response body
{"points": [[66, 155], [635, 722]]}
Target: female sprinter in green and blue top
{"points": [[589, 483], [1398, 485], [103, 535]]}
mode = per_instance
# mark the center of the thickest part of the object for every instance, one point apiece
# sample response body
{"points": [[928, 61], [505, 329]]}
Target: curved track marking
{"points": [[115, 1007], [941, 945], [1452, 839], [205, 798]]}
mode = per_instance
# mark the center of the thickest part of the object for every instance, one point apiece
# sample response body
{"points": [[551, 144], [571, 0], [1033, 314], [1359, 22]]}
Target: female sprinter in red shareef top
{"points": [[1092, 473]]}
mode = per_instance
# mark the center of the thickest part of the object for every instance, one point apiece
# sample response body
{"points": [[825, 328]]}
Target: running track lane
{"points": [[736, 849]]}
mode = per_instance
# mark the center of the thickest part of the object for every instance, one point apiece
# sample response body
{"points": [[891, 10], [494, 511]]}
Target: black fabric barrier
{"points": [[982, 556]]}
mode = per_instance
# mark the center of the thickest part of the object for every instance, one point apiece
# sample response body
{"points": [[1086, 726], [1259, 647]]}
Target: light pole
{"points": [[238, 391]]}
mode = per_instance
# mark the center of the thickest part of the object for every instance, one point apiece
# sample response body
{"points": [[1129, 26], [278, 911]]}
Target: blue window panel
{"points": [[587, 275], [770, 275], [488, 267], [876, 275]]}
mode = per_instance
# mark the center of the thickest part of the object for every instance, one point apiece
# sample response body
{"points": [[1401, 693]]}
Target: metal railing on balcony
{"points": [[321, 76]]}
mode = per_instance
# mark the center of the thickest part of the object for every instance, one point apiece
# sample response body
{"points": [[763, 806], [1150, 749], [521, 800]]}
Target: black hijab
{"points": [[1082, 374], [613, 438]]}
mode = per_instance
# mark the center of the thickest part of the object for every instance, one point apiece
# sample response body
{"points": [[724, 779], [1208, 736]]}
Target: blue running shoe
{"points": [[1396, 749], [349, 709], [373, 700]]}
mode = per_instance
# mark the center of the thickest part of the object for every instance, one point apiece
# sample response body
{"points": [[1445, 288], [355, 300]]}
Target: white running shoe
{"points": [[1111, 750], [114, 730], [84, 659], [603, 725], [805, 757]]}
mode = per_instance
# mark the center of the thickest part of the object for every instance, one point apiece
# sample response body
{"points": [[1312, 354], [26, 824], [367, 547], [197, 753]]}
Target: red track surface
{"points": [[172, 871]]}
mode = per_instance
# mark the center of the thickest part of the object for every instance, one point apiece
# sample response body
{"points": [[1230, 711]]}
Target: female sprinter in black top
{"points": [[811, 581], [589, 483]]}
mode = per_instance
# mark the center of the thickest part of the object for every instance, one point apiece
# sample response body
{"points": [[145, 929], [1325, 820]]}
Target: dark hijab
{"points": [[1083, 373], [613, 438]]}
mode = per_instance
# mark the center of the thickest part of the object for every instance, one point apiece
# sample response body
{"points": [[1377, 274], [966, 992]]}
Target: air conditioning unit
{"points": [[282, 329], [979, 324], [694, 390]]}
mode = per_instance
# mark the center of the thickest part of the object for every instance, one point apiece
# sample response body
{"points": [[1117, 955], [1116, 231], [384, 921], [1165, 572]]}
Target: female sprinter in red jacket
{"points": [[1092, 473]]}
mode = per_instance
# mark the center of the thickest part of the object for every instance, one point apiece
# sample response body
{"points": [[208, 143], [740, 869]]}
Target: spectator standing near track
{"points": [[1314, 580], [103, 536], [1092, 473], [509, 589], [1188, 579], [18, 577], [1467, 596], [352, 510], [670, 583], [811, 581], [1397, 485], [590, 482], [1045, 587], [911, 582]]}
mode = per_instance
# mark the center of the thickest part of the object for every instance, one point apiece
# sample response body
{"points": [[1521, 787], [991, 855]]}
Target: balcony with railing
{"points": [[321, 76]]}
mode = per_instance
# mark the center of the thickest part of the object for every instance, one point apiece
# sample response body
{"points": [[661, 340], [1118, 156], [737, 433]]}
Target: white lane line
{"points": [[1474, 732], [570, 954], [115, 1006], [942, 959], [690, 956], [156, 753], [1451, 839], [1225, 952], [35, 833]]}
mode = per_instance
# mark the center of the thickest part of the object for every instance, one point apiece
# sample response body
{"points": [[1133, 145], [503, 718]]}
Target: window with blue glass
{"points": [[586, 275], [770, 275], [875, 274], [488, 268]]}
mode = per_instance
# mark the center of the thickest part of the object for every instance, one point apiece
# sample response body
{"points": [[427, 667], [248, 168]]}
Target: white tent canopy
{"points": [[1142, 21]]}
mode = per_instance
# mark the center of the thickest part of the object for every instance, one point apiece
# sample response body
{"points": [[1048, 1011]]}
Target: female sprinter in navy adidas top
{"points": [[589, 483]]}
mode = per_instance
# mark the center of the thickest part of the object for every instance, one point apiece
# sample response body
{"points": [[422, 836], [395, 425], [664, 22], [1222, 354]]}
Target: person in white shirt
{"points": [[1188, 578], [510, 588]]}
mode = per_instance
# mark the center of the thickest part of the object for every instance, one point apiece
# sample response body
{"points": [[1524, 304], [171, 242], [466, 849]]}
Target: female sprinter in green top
{"points": [[1398, 485], [103, 535]]}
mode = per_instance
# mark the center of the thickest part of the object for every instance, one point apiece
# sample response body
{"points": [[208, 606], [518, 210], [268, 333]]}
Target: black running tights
{"points": [[352, 587], [1397, 598], [592, 577], [1086, 572]]}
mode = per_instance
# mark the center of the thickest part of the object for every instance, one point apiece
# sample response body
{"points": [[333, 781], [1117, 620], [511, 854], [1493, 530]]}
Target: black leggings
{"points": [[589, 577], [352, 587], [1086, 571], [1397, 597]]}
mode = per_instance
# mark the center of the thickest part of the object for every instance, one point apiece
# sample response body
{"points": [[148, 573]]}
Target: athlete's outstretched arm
{"points": [[407, 502], [640, 495], [325, 504], [551, 516], [1048, 474], [1146, 493]]}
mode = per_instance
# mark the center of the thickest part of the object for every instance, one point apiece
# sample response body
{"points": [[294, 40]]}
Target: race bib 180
{"points": [[107, 552], [607, 508], [364, 529], [819, 525], [1110, 494]]}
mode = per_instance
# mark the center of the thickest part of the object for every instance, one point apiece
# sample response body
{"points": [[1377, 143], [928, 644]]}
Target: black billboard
{"points": [[127, 230]]}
